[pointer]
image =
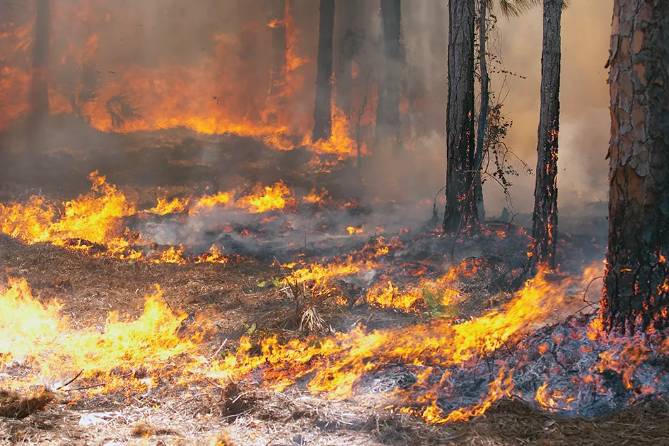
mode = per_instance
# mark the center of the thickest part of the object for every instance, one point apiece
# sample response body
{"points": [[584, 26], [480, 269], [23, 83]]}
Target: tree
{"points": [[278, 26], [460, 210], [39, 89], [508, 8], [545, 218], [637, 273], [322, 113], [388, 110]]}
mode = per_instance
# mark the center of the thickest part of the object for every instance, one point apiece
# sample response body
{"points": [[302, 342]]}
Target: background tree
{"points": [[278, 26], [460, 210], [637, 274], [322, 113], [545, 218], [508, 8], [388, 110], [39, 89]]}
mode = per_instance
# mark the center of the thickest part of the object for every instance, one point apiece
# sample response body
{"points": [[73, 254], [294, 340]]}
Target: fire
{"points": [[166, 207], [336, 363], [322, 274], [340, 142], [174, 255], [354, 230], [211, 201], [95, 217], [267, 198], [215, 255], [315, 197], [441, 292], [39, 336]]}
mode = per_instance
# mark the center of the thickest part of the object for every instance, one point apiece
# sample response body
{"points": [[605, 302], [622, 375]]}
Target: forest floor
{"points": [[206, 413], [236, 299]]}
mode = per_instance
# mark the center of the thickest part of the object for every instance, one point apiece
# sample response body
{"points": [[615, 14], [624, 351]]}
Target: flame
{"points": [[38, 336], [441, 291], [213, 256], [315, 197], [340, 142], [95, 217], [354, 230], [336, 363], [267, 198], [173, 254], [166, 207], [211, 201]]}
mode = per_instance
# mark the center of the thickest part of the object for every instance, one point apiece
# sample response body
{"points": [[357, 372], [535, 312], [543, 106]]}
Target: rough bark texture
{"points": [[637, 275], [278, 25], [388, 110], [545, 223], [485, 104], [460, 210], [39, 91], [322, 113]]}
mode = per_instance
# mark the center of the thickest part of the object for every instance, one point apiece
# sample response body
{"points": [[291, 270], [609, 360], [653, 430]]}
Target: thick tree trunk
{"points": [[637, 275], [485, 105], [39, 89], [460, 210], [388, 110], [278, 26], [351, 31], [322, 113], [545, 222]]}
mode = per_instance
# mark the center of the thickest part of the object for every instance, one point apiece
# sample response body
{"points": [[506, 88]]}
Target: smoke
{"points": [[156, 58]]}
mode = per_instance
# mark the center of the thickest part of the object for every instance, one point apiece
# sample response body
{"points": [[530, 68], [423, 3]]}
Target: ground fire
{"points": [[227, 222]]}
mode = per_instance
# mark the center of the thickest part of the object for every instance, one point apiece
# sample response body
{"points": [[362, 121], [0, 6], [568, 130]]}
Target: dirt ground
{"points": [[244, 414]]}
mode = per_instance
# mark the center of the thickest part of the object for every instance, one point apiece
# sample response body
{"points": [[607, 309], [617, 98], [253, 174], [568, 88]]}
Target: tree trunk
{"points": [[39, 89], [460, 210], [485, 106], [351, 35], [322, 113], [388, 110], [637, 274], [278, 26], [545, 192]]}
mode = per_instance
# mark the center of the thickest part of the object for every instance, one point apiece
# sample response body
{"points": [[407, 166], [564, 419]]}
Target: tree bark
{"points": [[322, 113], [388, 110], [545, 221], [39, 89], [485, 105], [460, 210], [637, 274]]}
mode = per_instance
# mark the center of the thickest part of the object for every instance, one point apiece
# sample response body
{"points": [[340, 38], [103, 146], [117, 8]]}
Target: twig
{"points": [[72, 380], [218, 350]]}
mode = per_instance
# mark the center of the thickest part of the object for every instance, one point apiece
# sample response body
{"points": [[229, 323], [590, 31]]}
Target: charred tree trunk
{"points": [[349, 19], [39, 89], [545, 221], [637, 275], [322, 113], [460, 210], [388, 110], [485, 105], [278, 25]]}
